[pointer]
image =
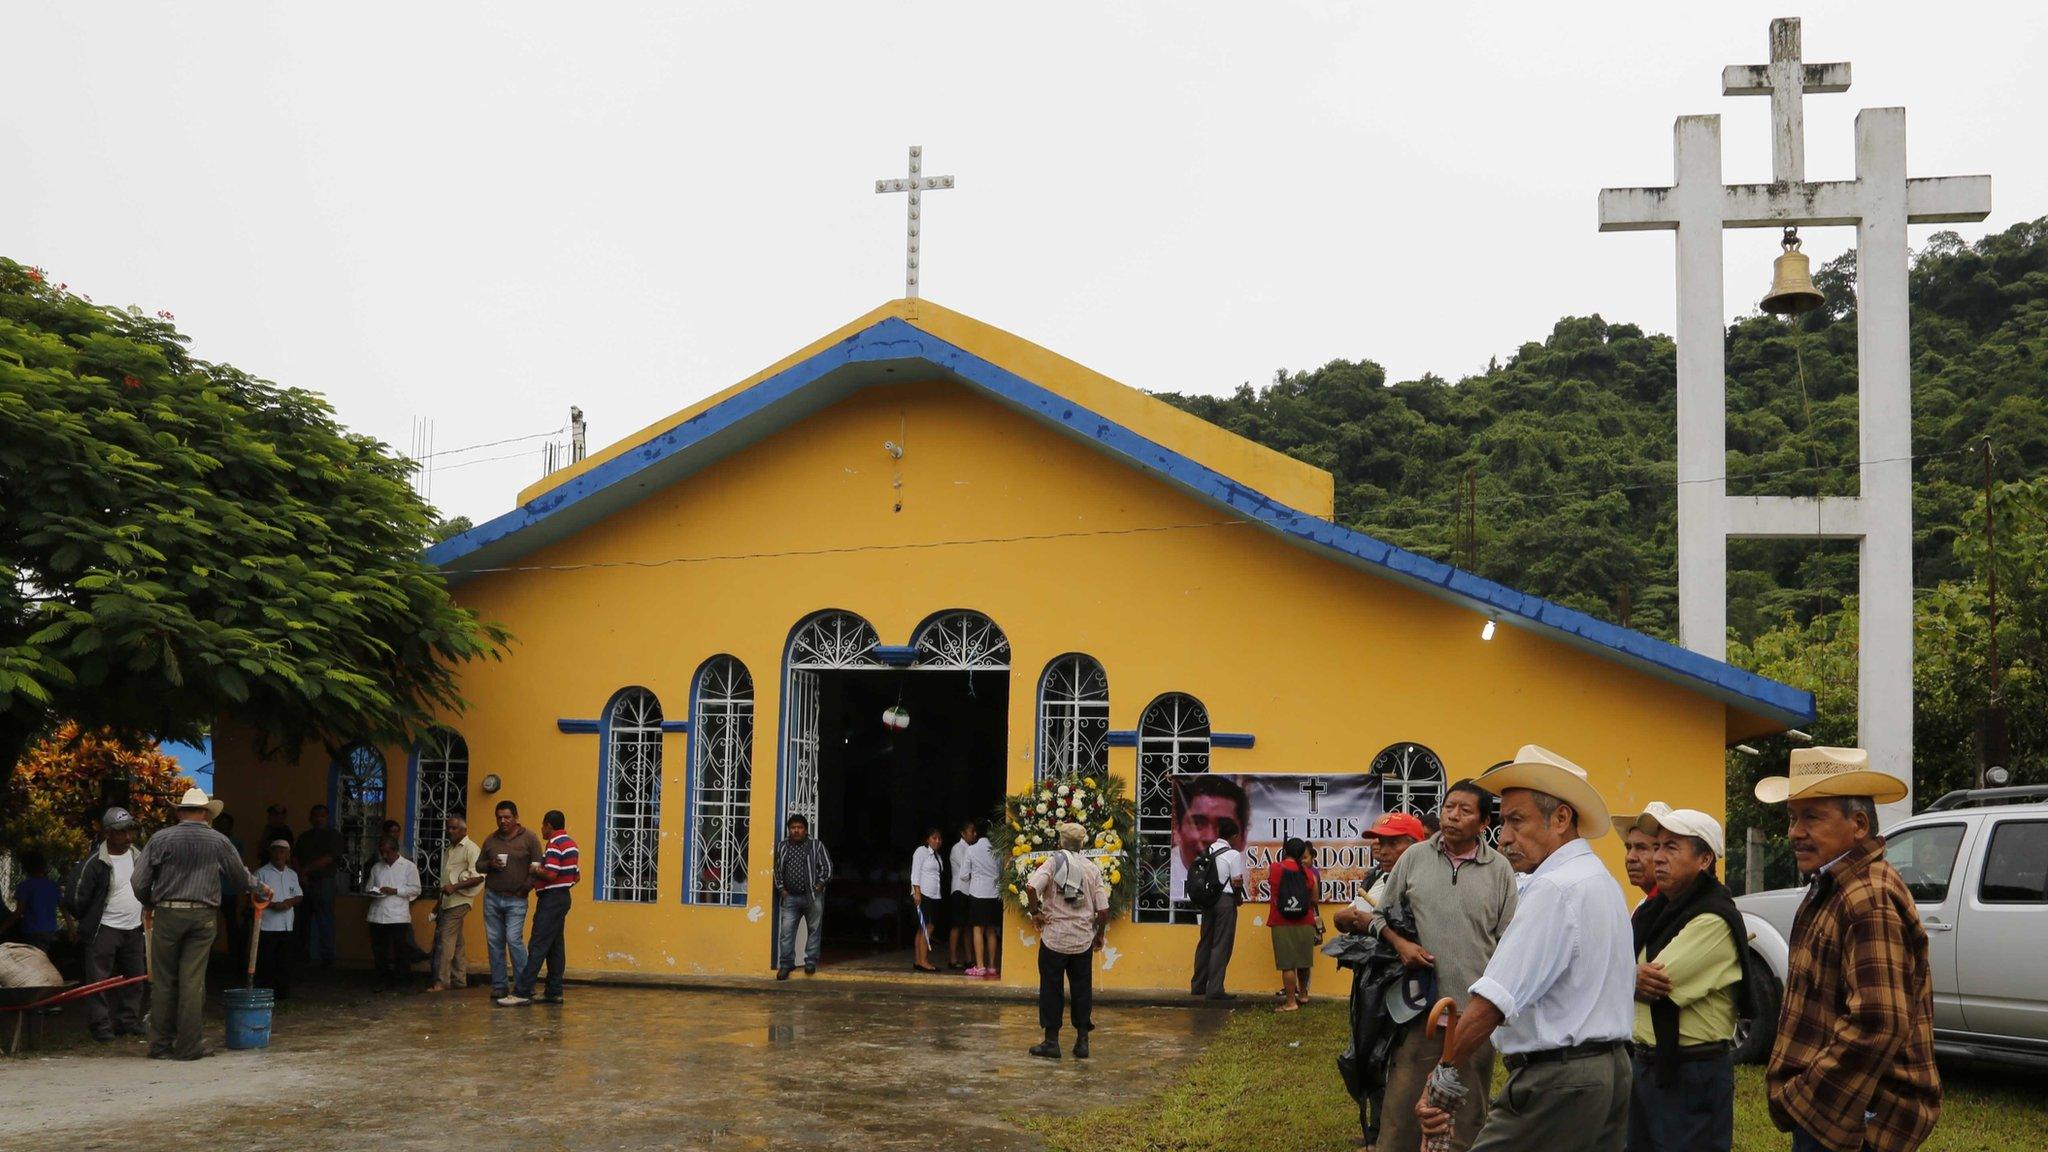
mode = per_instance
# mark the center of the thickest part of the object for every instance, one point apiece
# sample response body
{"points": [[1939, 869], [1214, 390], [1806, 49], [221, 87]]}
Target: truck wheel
{"points": [[1753, 1036]]}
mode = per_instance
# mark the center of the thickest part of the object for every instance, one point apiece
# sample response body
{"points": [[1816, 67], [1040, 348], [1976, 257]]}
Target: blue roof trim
{"points": [[895, 339]]}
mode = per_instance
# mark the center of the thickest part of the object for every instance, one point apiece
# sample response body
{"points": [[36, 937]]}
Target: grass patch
{"points": [[1268, 1083]]}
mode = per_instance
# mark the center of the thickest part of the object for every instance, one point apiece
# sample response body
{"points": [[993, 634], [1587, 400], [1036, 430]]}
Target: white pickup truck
{"points": [[1977, 865]]}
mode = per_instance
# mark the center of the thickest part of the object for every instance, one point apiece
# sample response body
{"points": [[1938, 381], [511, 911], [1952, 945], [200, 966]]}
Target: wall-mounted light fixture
{"points": [[1486, 632]]}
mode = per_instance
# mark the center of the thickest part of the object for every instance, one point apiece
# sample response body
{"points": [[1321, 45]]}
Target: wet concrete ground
{"points": [[614, 1068]]}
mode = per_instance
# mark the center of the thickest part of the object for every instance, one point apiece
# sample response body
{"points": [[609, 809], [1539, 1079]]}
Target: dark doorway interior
{"points": [[879, 789]]}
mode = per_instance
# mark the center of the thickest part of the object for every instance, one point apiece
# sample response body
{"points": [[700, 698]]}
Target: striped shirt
{"points": [[189, 861], [560, 866]]}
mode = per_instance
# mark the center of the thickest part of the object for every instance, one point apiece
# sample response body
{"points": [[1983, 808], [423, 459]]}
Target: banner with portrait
{"points": [[1332, 813]]}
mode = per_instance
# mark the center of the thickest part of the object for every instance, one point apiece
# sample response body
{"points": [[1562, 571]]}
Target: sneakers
{"points": [[514, 1001], [547, 1000], [991, 974], [976, 973]]}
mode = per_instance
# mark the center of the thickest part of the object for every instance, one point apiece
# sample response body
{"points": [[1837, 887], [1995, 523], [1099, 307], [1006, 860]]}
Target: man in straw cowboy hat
{"points": [[181, 877], [1689, 942], [1852, 1066], [1555, 997]]}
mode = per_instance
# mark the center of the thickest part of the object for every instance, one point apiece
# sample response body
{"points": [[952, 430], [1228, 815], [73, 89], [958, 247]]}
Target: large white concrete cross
{"points": [[1880, 202], [916, 185]]}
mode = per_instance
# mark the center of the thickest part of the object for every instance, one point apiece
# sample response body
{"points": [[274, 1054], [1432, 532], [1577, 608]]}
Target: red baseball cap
{"points": [[1399, 824]]}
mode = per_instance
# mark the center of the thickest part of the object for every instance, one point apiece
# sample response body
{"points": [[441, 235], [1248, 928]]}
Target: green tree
{"points": [[181, 541]]}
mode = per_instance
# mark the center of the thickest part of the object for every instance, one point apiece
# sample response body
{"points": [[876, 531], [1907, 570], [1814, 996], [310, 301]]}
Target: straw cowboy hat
{"points": [[1541, 770], [194, 798], [1831, 772], [1624, 824]]}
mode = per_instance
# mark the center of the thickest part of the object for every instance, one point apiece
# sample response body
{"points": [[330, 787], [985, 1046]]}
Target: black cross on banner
{"points": [[1315, 789]]}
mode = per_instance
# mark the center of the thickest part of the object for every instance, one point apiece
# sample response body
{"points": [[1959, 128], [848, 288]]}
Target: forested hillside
{"points": [[1569, 448]]}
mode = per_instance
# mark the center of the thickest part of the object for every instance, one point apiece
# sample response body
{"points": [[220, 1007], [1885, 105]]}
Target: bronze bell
{"points": [[1792, 291]]}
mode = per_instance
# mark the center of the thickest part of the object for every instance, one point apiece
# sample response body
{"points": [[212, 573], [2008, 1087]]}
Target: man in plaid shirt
{"points": [[1852, 1067]]}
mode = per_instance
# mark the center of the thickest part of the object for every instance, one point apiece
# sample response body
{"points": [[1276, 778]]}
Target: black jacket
{"points": [[89, 899]]}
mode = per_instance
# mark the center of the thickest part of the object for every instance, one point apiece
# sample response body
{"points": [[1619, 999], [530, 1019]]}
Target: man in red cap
{"points": [[1459, 893]]}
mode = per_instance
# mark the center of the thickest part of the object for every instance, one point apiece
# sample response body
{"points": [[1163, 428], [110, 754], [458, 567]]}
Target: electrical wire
{"points": [[520, 455], [912, 546], [492, 444]]}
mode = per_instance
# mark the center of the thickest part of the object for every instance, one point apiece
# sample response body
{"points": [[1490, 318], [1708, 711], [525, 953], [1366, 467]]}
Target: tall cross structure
{"points": [[1880, 202], [916, 185]]}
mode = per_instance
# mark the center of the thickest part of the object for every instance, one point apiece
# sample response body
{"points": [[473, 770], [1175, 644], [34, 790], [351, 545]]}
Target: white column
{"points": [[1884, 691], [1702, 406]]}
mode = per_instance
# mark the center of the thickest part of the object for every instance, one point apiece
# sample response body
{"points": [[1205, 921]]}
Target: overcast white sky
{"points": [[481, 214]]}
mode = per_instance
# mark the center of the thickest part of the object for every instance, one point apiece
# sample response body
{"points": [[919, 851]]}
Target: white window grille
{"points": [[631, 811], [1411, 779], [962, 641], [1173, 736], [834, 640], [1073, 718], [722, 781], [358, 787], [440, 786]]}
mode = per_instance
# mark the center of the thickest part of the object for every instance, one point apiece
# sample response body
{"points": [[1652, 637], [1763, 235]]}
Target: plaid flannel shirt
{"points": [[1856, 1032]]}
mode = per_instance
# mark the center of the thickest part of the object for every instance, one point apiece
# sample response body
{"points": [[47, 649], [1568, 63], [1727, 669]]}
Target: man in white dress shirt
{"points": [[1557, 998], [394, 884]]}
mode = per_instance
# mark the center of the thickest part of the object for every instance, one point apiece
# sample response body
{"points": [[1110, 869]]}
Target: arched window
{"points": [[355, 790], [721, 782], [961, 640], [1173, 736], [440, 786], [629, 798], [821, 642], [1411, 779], [1073, 718]]}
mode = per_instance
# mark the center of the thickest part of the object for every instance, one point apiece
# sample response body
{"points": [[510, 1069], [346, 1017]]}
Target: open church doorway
{"points": [[871, 788]]}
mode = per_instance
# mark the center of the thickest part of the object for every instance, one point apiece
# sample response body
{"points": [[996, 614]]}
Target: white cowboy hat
{"points": [[1540, 770], [1831, 772], [1689, 822], [1623, 825], [194, 798]]}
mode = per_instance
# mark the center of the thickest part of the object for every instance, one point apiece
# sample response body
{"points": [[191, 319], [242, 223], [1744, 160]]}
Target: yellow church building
{"points": [[1047, 570]]}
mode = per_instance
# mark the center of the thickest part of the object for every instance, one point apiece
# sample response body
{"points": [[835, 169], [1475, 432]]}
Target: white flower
{"points": [[1041, 809], [1064, 789]]}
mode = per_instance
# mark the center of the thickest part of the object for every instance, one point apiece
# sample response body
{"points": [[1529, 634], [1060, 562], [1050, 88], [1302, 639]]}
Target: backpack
{"points": [[1204, 885], [1296, 900]]}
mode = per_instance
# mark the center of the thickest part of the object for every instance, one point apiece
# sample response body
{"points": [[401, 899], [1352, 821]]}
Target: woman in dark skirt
{"points": [[1295, 931]]}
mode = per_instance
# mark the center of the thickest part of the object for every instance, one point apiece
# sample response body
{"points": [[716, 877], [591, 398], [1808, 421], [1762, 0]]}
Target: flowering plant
{"points": [[1026, 832]]}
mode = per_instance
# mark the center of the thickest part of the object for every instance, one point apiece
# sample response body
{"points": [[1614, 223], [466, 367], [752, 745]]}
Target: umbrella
{"points": [[1445, 1089]]}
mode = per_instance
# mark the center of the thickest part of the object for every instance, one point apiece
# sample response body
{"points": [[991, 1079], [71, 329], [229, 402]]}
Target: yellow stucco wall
{"points": [[1324, 664]]}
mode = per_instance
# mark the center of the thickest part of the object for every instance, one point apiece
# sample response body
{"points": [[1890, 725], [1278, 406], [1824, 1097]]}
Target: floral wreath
{"points": [[1026, 832]]}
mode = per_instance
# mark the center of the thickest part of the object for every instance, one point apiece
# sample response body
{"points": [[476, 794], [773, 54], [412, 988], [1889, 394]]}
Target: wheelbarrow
{"points": [[23, 1001]]}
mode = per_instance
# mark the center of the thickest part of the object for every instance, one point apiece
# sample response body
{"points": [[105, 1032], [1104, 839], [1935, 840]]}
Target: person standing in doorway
{"points": [[985, 907], [459, 882], [275, 827], [802, 870], [1558, 992], [959, 905], [180, 877], [1295, 917], [109, 920], [318, 853], [554, 874], [1459, 897], [274, 934], [1219, 921], [1637, 843], [1688, 983], [1852, 1065], [508, 857], [1070, 907], [393, 884], [927, 892]]}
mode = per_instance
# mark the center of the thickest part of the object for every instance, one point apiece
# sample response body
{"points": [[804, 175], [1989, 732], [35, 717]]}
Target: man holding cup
{"points": [[508, 856]]}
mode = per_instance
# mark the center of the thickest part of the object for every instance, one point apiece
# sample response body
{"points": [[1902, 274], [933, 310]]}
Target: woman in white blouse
{"points": [[927, 895]]}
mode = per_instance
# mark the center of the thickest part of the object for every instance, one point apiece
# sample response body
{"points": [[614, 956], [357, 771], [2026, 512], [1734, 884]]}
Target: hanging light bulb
{"points": [[1792, 291]]}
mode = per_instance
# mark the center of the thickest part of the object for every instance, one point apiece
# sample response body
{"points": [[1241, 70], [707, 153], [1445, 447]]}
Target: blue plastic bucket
{"points": [[249, 1017]]}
